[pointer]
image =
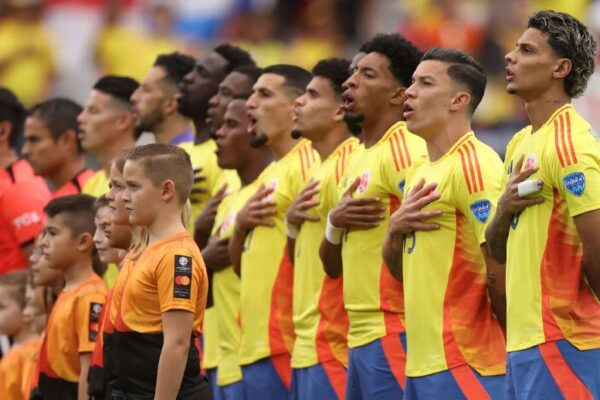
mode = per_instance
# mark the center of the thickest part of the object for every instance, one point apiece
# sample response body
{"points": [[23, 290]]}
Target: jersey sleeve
{"points": [[23, 210], [574, 168], [178, 279], [88, 309], [478, 187]]}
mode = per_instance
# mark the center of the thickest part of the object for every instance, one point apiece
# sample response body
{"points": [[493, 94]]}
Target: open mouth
{"points": [[408, 110], [252, 125], [347, 101], [509, 75]]}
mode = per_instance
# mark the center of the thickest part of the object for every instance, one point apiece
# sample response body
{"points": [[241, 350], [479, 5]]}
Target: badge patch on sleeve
{"points": [[94, 322], [182, 286], [481, 210], [575, 183]]}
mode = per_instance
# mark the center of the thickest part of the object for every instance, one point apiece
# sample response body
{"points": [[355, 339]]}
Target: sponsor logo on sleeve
{"points": [[26, 219], [182, 286], [481, 210], [94, 321], [575, 183]]}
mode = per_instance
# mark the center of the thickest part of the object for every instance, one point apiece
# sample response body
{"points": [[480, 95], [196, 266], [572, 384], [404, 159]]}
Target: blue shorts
{"points": [[268, 379], [211, 376], [323, 381], [233, 391], [376, 369], [553, 370], [457, 383]]}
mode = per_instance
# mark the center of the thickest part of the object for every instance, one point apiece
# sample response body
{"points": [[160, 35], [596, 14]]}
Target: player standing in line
{"points": [[320, 354], [258, 244], [356, 228], [546, 224], [436, 239]]}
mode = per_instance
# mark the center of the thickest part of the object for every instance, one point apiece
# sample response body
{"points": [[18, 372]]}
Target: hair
{"points": [[336, 70], [402, 54], [571, 39], [235, 56], [251, 71], [118, 87], [16, 282], [296, 78], [12, 110], [78, 212], [58, 115], [100, 202], [462, 69], [176, 66], [120, 159], [164, 161]]}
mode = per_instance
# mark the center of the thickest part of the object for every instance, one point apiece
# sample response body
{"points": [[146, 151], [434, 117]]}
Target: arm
{"points": [[509, 204], [177, 330], [82, 388], [204, 223], [587, 227], [496, 286], [297, 214], [235, 247], [392, 254]]}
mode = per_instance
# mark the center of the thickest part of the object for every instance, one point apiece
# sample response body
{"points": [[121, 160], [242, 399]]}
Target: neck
{"points": [[122, 254], [374, 128], [283, 145], [106, 155], [328, 141], [257, 163], [171, 128], [70, 168], [202, 131], [167, 223], [542, 107], [7, 157], [442, 137], [24, 335], [78, 272]]}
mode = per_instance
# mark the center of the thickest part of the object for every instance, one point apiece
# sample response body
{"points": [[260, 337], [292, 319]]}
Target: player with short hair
{"points": [[257, 246], [53, 148], [320, 354], [160, 293], [546, 224], [67, 246], [436, 239], [368, 194]]}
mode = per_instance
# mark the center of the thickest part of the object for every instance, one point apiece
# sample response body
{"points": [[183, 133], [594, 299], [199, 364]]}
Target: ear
{"points": [[562, 68], [338, 116], [460, 101], [126, 121], [5, 131], [69, 138], [168, 191], [85, 242], [170, 105], [398, 96]]}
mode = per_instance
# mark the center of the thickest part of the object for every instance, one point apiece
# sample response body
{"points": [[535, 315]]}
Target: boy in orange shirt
{"points": [[67, 245], [161, 291]]}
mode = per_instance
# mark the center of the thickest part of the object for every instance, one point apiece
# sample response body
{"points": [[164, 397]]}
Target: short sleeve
{"points": [[478, 190], [88, 309], [575, 172], [23, 211], [178, 279]]}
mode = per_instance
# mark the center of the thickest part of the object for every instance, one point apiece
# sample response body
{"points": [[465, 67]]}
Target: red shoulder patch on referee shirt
{"points": [[182, 285], [94, 321]]}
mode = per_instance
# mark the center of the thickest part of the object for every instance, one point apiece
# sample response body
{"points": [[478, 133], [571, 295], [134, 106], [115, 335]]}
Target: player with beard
{"points": [[107, 126], [546, 225], [369, 193], [320, 355], [258, 244], [234, 153]]}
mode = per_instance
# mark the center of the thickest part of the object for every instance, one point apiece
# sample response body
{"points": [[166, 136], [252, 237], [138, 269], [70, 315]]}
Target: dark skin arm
{"points": [[350, 213], [257, 211], [297, 212], [587, 227], [216, 258], [496, 286], [409, 218], [205, 221], [509, 204], [198, 189]]}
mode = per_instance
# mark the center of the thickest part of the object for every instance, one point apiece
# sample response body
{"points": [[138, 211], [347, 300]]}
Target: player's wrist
{"points": [[333, 234], [291, 229]]}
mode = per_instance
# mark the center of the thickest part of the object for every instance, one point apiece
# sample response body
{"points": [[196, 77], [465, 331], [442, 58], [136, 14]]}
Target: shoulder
{"points": [[473, 161]]}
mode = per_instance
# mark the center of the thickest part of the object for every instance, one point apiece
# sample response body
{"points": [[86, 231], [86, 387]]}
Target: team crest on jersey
{"points": [[481, 210], [227, 222], [365, 178], [94, 321], [575, 183], [401, 185], [182, 277], [531, 162]]}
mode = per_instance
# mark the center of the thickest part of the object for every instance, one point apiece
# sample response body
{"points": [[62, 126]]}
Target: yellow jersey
{"points": [[548, 297], [445, 327], [373, 298], [266, 271], [320, 320]]}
